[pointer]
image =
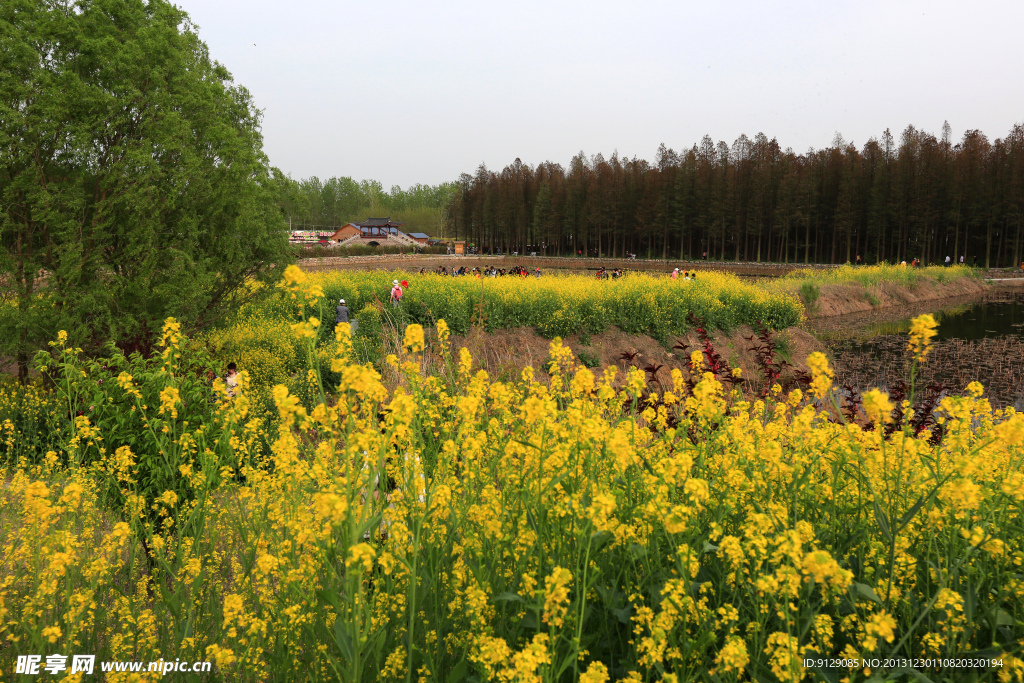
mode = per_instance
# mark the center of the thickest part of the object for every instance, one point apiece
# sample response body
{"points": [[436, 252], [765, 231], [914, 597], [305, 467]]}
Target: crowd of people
{"points": [[605, 274], [522, 272], [917, 263], [486, 271], [687, 275]]}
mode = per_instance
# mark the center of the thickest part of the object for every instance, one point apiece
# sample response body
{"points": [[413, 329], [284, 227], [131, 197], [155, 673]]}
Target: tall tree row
{"points": [[918, 196]]}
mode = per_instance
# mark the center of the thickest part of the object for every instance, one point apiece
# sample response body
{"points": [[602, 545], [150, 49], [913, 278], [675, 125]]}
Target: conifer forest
{"points": [[918, 196]]}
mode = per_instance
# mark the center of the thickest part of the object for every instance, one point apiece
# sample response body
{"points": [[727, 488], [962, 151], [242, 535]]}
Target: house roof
{"points": [[378, 223], [419, 235]]}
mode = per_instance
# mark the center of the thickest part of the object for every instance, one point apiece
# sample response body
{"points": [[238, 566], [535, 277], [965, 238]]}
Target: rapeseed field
{"points": [[563, 526], [556, 305]]}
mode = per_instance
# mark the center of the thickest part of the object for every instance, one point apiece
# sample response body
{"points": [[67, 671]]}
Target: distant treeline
{"points": [[314, 204], [923, 197]]}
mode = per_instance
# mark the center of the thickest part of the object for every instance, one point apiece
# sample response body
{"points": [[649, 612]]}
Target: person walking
{"points": [[231, 380], [340, 312], [947, 260], [675, 274], [396, 294]]}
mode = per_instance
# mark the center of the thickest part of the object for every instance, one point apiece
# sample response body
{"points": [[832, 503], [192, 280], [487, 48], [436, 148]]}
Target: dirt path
{"points": [[413, 262], [830, 326], [545, 263], [504, 353]]}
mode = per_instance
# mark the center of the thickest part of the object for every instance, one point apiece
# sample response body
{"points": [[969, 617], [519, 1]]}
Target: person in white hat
{"points": [[396, 293], [340, 313], [675, 274]]}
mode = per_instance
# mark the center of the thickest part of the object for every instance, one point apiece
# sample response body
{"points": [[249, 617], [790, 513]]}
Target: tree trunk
{"points": [[956, 238], [1001, 253], [23, 362], [988, 244], [1016, 244]]}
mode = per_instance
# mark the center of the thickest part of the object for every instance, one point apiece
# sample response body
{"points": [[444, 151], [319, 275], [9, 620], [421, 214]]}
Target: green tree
{"points": [[132, 177]]}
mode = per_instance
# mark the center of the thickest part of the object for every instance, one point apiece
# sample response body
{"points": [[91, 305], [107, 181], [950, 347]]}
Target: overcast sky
{"points": [[419, 92]]}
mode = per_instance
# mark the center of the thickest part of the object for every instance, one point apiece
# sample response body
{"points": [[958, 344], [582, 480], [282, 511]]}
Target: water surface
{"points": [[979, 339], [997, 315]]}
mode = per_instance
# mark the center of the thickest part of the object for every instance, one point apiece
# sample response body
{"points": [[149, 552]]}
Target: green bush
{"points": [[30, 419], [369, 337], [163, 409], [809, 293]]}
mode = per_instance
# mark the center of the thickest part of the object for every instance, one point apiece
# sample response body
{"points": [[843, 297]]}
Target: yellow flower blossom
{"points": [[169, 400], [413, 338], [821, 374], [362, 555], [877, 406], [880, 625], [556, 596], [922, 330], [733, 657]]}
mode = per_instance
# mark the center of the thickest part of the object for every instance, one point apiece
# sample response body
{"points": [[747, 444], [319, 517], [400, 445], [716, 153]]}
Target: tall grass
{"points": [[870, 276]]}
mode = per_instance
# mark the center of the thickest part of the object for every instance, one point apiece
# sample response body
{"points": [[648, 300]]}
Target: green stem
{"points": [[412, 599]]}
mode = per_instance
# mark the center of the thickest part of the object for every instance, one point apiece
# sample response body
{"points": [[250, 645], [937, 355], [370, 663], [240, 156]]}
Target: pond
{"points": [[999, 314], [978, 340]]}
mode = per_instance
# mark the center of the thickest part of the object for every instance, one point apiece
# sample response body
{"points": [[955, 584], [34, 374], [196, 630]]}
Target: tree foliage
{"points": [[922, 197], [328, 205], [132, 176]]}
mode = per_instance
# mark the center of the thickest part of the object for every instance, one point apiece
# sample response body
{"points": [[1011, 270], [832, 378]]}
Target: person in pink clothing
{"points": [[675, 274], [396, 294]]}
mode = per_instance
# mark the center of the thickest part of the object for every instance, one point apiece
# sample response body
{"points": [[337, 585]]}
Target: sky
{"points": [[421, 91]]}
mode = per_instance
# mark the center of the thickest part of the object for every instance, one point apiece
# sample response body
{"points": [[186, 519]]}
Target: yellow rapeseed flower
{"points": [[922, 329], [556, 596], [880, 625], [733, 656], [362, 555], [413, 338], [169, 400], [597, 672], [877, 406], [821, 374]]}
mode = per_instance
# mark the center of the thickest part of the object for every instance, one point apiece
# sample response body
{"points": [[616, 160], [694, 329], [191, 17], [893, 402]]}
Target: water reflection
{"points": [[998, 315], [978, 340]]}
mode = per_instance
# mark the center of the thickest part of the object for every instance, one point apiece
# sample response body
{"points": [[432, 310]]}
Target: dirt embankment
{"points": [[856, 298], [504, 353]]}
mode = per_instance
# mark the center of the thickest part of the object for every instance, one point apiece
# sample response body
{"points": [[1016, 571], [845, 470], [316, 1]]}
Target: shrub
{"points": [[589, 358], [809, 293]]}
